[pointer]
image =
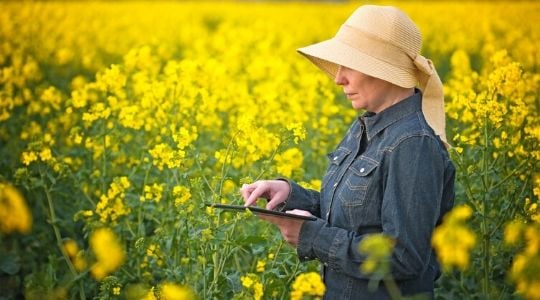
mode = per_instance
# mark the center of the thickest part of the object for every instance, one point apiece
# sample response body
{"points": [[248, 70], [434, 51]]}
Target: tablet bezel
{"points": [[260, 210]]}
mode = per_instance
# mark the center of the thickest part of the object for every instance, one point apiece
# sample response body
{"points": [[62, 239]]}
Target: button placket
{"points": [[345, 165]]}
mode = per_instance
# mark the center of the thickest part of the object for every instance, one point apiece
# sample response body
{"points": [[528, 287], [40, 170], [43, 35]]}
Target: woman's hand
{"points": [[276, 191], [290, 228]]}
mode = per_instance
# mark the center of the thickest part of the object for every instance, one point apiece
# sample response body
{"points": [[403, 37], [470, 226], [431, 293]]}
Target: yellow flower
{"points": [[314, 184], [172, 291], [111, 206], [453, 240], [247, 282], [116, 290], [258, 291], [164, 156], [512, 232], [153, 192], [260, 266], [184, 137], [14, 213], [377, 248], [79, 261], [108, 251], [307, 284], [252, 283], [28, 157], [181, 195], [298, 130], [45, 154], [289, 161], [112, 79], [71, 248]]}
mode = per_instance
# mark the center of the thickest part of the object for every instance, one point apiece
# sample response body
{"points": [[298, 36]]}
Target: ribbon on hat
{"points": [[433, 96]]}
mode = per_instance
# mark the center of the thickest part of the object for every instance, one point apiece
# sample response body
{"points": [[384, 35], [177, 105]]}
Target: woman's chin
{"points": [[357, 106]]}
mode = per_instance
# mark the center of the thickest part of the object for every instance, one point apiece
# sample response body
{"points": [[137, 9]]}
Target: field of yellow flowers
{"points": [[119, 121]]}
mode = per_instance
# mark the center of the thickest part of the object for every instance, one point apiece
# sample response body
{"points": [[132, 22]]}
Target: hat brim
{"points": [[330, 54]]}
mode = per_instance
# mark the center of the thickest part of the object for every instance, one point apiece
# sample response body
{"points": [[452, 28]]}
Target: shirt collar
{"points": [[375, 123]]}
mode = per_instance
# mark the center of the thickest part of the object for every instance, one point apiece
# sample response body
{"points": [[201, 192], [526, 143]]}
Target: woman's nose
{"points": [[340, 78]]}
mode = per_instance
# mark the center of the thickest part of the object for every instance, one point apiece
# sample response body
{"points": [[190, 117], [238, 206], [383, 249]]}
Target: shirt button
{"points": [[335, 184], [335, 157], [362, 170]]}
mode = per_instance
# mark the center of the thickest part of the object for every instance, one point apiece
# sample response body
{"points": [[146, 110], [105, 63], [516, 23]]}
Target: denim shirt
{"points": [[401, 184]]}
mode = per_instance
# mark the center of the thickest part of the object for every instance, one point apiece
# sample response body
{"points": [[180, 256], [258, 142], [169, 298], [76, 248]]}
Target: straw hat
{"points": [[383, 42]]}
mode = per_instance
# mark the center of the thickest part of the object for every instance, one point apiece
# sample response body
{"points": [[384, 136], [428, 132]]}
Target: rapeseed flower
{"points": [[14, 213], [252, 283], [525, 269], [260, 266], [28, 157], [152, 192], [164, 156], [377, 249], [173, 291], [112, 205], [181, 195], [289, 161], [108, 251], [75, 254], [306, 285], [453, 240]]}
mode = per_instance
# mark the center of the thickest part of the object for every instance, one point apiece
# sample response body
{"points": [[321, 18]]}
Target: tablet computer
{"points": [[260, 210]]}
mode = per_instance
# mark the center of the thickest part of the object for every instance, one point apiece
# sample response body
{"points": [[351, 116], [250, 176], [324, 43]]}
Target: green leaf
{"points": [[9, 265]]}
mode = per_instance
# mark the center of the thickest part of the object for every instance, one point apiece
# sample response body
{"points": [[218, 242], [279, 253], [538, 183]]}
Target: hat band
{"points": [[375, 47]]}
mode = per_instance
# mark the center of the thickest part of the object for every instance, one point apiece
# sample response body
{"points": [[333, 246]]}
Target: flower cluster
{"points": [[108, 250], [75, 254], [252, 283], [377, 249], [308, 285], [14, 213], [112, 205], [453, 240], [153, 192], [525, 268]]}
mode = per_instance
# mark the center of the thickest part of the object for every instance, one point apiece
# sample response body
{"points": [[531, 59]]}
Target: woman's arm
{"points": [[413, 189]]}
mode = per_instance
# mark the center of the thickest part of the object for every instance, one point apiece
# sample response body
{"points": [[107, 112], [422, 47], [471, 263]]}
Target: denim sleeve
{"points": [[302, 198], [412, 202], [410, 207]]}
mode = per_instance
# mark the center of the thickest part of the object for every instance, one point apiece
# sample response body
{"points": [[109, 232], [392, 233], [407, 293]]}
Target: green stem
{"points": [[509, 212], [484, 226], [468, 188], [277, 252], [291, 278], [104, 159], [59, 240], [392, 288], [509, 175], [78, 183]]}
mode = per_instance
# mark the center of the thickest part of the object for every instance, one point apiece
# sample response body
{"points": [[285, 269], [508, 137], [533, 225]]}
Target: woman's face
{"points": [[364, 91]]}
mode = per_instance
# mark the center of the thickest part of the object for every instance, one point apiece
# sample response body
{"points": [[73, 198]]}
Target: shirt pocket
{"points": [[356, 182], [335, 159]]}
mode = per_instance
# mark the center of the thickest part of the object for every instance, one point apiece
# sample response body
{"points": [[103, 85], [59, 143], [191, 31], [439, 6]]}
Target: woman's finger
{"points": [[259, 190]]}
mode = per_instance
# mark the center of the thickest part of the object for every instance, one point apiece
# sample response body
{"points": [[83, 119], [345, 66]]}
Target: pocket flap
{"points": [[337, 157], [363, 167]]}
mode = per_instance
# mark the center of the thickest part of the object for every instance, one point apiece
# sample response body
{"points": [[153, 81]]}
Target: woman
{"points": [[390, 174]]}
